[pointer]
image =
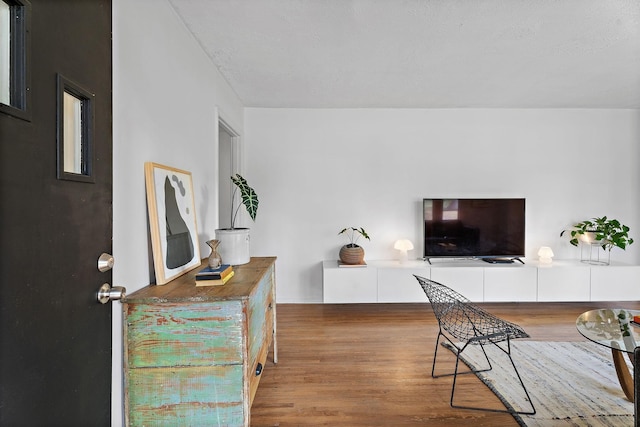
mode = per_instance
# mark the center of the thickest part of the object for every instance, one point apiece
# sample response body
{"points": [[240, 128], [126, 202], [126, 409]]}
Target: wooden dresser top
{"points": [[183, 288]]}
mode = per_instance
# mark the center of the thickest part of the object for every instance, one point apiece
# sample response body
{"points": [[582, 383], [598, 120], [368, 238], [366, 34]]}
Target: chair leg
{"points": [[526, 392], [474, 371], [510, 411], [457, 351], [435, 354]]}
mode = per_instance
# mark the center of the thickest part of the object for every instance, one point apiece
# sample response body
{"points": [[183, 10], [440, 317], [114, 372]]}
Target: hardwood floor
{"points": [[370, 365]]}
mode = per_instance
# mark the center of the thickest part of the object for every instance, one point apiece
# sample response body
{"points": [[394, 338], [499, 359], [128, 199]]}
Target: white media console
{"points": [[568, 280]]}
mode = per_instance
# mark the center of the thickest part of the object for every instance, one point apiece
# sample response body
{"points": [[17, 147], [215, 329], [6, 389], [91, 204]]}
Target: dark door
{"points": [[55, 354]]}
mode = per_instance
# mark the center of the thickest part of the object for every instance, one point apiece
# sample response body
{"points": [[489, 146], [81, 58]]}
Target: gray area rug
{"points": [[570, 383]]}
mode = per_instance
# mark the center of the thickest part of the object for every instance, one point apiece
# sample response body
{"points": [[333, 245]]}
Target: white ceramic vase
{"points": [[234, 245]]}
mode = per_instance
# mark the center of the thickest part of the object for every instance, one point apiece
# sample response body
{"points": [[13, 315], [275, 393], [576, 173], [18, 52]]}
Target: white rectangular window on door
{"points": [[14, 58], [72, 134], [75, 131], [5, 53]]}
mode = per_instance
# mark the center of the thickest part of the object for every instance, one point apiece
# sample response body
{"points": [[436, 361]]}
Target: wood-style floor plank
{"points": [[370, 365]]}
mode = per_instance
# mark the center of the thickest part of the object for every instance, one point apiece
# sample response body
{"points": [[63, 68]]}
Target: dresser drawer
{"points": [[259, 314], [173, 334], [254, 378], [195, 396]]}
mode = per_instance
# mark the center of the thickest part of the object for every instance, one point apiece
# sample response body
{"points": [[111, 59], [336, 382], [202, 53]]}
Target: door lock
{"points": [[105, 262]]}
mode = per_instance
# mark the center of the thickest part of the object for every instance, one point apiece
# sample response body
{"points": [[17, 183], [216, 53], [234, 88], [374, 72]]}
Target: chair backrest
{"points": [[448, 306], [463, 319]]}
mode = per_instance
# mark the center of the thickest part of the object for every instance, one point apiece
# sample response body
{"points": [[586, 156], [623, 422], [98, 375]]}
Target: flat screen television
{"points": [[491, 229]]}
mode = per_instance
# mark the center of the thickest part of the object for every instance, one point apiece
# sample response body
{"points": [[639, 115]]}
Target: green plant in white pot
{"points": [[234, 241], [600, 231], [352, 253]]}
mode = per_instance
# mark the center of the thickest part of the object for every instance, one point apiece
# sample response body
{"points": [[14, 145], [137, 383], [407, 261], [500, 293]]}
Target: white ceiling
{"points": [[423, 53]]}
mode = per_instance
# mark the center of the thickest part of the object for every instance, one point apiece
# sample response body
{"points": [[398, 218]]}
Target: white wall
{"points": [[317, 171], [165, 94]]}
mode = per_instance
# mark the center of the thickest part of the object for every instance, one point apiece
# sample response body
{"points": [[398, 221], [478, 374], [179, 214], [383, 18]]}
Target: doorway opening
{"points": [[228, 165]]}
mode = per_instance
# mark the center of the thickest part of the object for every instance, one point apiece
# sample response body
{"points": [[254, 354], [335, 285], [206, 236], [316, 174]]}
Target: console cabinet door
{"points": [[399, 284], [349, 284], [512, 283], [467, 281], [564, 283], [615, 283]]}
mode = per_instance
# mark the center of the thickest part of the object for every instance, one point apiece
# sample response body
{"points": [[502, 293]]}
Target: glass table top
{"points": [[613, 328]]}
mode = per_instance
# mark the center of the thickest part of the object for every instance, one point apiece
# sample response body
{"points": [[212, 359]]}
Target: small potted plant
{"points": [[352, 253], [604, 232], [234, 241]]}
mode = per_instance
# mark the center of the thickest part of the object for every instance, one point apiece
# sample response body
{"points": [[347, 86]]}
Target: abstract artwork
{"points": [[172, 221]]}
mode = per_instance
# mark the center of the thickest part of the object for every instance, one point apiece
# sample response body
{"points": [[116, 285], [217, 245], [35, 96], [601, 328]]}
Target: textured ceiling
{"points": [[423, 53]]}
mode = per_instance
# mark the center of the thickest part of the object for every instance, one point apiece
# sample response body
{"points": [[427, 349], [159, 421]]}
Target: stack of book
{"points": [[214, 276]]}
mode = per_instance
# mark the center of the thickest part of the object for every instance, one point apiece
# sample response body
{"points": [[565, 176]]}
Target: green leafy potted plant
{"points": [[352, 253], [234, 241], [249, 199], [601, 231]]}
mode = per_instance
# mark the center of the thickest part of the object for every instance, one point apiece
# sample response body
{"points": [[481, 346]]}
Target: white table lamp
{"points": [[545, 254], [403, 245]]}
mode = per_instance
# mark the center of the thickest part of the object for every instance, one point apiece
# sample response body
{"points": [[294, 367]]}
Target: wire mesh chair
{"points": [[460, 319]]}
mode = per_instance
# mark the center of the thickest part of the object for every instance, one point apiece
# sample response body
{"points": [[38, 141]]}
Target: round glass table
{"points": [[615, 329]]}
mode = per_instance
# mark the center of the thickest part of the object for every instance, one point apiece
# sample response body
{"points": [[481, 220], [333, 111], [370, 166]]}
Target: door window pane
{"points": [[75, 131], [14, 58], [5, 53], [72, 134]]}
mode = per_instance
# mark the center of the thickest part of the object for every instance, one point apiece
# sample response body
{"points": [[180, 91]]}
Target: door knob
{"points": [[106, 293], [105, 262]]}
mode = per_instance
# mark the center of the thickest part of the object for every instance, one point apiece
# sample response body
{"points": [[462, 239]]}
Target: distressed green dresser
{"points": [[193, 355]]}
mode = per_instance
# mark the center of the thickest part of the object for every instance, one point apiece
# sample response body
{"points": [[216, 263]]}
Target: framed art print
{"points": [[172, 221]]}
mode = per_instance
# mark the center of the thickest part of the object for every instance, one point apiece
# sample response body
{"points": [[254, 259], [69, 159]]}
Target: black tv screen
{"points": [[474, 228]]}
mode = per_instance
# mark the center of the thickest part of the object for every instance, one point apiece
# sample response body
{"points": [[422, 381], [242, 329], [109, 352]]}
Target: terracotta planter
{"points": [[352, 255]]}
